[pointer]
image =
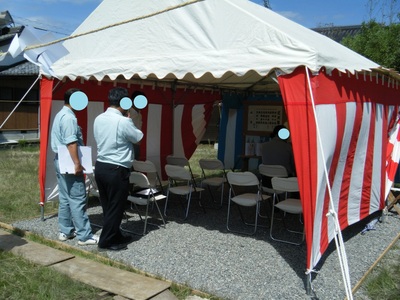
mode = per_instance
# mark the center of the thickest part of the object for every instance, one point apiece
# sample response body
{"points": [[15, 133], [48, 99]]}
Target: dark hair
{"points": [[68, 94], [137, 93], [116, 94], [134, 95], [276, 130]]}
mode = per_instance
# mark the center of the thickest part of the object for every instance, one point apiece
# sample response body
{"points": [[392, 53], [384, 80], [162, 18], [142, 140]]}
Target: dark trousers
{"points": [[113, 183]]}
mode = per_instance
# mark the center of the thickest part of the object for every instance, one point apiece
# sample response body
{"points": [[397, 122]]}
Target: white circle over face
{"points": [[283, 134], [125, 103], [140, 101], [78, 100]]}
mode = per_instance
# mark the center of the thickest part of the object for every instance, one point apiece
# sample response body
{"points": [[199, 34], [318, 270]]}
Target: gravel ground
{"points": [[202, 254]]}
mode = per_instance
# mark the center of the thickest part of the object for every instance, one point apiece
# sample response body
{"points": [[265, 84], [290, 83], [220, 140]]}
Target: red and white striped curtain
{"points": [[173, 123], [355, 115]]}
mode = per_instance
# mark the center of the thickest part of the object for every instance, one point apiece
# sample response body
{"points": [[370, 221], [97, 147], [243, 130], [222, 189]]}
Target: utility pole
{"points": [[266, 4], [383, 11]]}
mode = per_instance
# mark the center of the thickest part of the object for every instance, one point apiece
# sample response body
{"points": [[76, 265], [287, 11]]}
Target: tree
{"points": [[377, 42]]}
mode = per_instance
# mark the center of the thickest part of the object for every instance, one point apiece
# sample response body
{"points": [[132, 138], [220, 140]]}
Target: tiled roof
{"points": [[9, 33], [23, 69], [16, 67], [337, 33]]}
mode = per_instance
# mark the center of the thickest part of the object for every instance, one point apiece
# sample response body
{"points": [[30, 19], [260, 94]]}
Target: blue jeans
{"points": [[72, 214]]}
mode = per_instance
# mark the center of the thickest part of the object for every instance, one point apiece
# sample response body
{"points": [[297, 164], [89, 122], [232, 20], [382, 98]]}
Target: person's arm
{"points": [[73, 151], [131, 132]]}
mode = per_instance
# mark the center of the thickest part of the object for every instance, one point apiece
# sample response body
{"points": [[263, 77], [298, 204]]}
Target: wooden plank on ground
{"points": [[112, 280], [34, 252]]}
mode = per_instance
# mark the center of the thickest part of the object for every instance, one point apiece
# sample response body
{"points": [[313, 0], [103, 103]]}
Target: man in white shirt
{"points": [[115, 135]]}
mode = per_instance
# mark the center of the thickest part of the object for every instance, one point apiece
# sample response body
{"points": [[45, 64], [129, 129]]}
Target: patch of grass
{"points": [[21, 279], [384, 285], [182, 292], [179, 291], [19, 184], [383, 282], [205, 151]]}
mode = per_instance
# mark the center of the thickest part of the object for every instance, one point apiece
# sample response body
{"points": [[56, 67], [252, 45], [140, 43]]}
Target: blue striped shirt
{"points": [[65, 129]]}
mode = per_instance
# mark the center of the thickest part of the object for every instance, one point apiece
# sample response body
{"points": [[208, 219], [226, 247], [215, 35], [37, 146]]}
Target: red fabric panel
{"points": [[166, 137], [46, 87], [303, 131]]}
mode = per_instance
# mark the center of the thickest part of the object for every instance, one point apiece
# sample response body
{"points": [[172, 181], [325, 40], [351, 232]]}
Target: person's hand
{"points": [[79, 169]]}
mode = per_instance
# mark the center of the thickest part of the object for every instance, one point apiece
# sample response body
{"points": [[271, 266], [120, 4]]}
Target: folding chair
{"points": [[147, 167], [393, 199], [270, 171], [180, 183], [183, 162], [267, 172], [208, 165], [144, 197], [244, 180], [92, 190], [287, 205]]}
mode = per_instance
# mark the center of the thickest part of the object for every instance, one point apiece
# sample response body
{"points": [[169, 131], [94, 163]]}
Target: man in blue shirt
{"points": [[72, 217], [115, 135]]}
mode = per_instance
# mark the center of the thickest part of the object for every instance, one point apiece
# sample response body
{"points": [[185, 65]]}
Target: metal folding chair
{"points": [[146, 196], [287, 205], [148, 167], [183, 162], [180, 183], [244, 180], [92, 190], [267, 172], [208, 165]]}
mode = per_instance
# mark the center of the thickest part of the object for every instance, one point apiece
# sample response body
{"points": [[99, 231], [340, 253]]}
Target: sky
{"points": [[63, 16]]}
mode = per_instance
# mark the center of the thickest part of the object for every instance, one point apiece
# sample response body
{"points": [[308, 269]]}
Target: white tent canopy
{"points": [[220, 43]]}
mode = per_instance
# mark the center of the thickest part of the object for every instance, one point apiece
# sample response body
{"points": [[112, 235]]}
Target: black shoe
{"points": [[115, 247], [126, 239]]}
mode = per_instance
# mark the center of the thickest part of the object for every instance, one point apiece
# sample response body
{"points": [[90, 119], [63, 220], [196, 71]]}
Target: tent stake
{"points": [[308, 284]]}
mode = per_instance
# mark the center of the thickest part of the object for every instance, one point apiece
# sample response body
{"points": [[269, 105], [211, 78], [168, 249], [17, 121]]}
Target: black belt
{"points": [[112, 166]]}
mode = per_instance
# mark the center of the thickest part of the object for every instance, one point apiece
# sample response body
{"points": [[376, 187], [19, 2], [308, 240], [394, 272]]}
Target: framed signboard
{"points": [[261, 117]]}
